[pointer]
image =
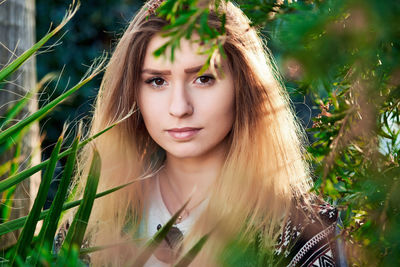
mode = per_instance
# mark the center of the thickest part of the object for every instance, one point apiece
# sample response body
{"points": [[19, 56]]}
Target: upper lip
{"points": [[184, 129]]}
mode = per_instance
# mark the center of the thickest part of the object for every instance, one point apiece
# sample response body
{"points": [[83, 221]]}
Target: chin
{"points": [[186, 153]]}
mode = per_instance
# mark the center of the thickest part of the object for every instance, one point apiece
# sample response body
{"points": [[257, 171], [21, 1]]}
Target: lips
{"points": [[185, 133]]}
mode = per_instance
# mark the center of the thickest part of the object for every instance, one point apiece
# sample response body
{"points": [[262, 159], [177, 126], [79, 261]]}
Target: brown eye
{"points": [[158, 81], [205, 80]]}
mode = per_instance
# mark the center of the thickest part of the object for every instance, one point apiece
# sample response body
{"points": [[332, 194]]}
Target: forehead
{"points": [[186, 55]]}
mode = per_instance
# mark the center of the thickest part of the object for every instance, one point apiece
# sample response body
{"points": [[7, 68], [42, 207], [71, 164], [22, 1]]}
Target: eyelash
{"points": [[152, 80]]}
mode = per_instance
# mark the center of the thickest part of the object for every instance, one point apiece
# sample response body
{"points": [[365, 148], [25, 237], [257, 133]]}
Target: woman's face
{"points": [[187, 114]]}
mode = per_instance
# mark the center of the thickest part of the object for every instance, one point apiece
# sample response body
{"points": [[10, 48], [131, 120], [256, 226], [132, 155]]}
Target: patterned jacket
{"points": [[310, 237]]}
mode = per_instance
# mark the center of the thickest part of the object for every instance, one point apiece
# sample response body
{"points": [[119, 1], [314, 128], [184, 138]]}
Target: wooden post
{"points": [[17, 34]]}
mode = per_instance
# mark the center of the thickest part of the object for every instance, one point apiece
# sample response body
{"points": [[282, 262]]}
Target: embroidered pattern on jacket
{"points": [[307, 235]]}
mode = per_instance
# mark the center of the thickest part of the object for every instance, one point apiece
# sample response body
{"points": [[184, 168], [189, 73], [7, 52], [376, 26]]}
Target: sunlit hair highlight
{"points": [[264, 169]]}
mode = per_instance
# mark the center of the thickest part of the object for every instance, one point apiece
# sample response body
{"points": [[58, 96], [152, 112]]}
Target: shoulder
{"points": [[309, 235]]}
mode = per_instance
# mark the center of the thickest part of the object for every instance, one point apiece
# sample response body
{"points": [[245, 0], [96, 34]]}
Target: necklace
{"points": [[186, 211]]}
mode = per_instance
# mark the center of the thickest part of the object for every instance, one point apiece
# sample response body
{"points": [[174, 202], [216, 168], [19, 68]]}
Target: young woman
{"points": [[226, 139]]}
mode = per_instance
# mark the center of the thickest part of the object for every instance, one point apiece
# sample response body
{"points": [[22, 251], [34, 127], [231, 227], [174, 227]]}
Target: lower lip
{"points": [[183, 135]]}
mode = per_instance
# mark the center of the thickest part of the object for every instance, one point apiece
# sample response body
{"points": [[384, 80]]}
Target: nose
{"points": [[180, 102]]}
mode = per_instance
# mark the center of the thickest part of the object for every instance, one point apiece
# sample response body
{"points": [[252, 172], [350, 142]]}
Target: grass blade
{"points": [[15, 179], [11, 140], [191, 254], [78, 227], [5, 167], [25, 239], [5, 72], [8, 195], [153, 243], [19, 177], [16, 109], [49, 228], [18, 223], [4, 135]]}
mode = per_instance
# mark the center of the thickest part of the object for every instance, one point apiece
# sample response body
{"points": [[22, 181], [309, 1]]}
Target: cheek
{"points": [[227, 115], [149, 108], [230, 109], [227, 102], [220, 109]]}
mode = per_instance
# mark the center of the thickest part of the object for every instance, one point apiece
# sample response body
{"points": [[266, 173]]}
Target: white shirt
{"points": [[157, 213]]}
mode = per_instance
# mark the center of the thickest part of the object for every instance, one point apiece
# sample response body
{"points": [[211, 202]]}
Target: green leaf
{"points": [[19, 177], [5, 72], [4, 135], [5, 167], [206, 65], [204, 25], [161, 50], [15, 179], [12, 140], [25, 239], [191, 254], [17, 108], [153, 243], [189, 31], [223, 22], [181, 20], [18, 223], [77, 229], [7, 199], [49, 227]]}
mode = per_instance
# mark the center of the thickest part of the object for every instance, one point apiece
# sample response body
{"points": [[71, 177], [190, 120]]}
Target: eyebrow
{"points": [[168, 72]]}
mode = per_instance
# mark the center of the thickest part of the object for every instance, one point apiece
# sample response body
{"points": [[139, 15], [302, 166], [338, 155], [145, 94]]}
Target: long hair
{"points": [[264, 170]]}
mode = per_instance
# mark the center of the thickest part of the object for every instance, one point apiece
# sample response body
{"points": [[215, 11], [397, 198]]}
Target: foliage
{"points": [[344, 56], [186, 18], [29, 249], [95, 28]]}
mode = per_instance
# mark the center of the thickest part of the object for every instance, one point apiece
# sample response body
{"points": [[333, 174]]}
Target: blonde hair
{"points": [[264, 169]]}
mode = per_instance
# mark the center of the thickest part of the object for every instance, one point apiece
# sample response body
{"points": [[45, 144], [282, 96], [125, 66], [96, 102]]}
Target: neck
{"points": [[185, 178]]}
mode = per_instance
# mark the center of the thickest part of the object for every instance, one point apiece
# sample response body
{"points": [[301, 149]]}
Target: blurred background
{"points": [[94, 29], [340, 62]]}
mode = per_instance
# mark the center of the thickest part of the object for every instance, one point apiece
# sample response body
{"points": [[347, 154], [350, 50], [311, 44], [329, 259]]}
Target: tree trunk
{"points": [[17, 34]]}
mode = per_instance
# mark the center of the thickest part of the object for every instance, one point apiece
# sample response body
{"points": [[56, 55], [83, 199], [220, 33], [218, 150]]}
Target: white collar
{"points": [[157, 213]]}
